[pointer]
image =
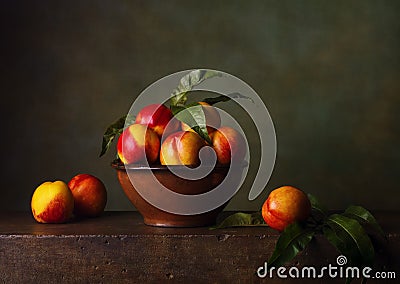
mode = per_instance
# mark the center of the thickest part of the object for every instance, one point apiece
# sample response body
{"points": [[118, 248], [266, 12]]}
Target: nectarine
{"points": [[284, 206], [52, 202], [156, 117], [181, 148], [90, 195], [137, 143], [228, 144]]}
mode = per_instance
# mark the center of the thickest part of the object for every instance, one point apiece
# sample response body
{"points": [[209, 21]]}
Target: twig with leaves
{"points": [[349, 232]]}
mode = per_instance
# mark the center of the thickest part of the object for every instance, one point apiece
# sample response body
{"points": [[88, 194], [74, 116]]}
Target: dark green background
{"points": [[328, 72]]}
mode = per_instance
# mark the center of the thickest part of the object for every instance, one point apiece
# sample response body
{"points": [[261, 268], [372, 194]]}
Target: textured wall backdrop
{"points": [[328, 72]]}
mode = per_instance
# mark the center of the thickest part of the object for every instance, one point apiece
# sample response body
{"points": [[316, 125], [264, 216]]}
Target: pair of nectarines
{"points": [[56, 202]]}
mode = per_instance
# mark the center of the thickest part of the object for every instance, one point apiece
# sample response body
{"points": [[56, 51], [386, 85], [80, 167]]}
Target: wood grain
{"points": [[119, 248]]}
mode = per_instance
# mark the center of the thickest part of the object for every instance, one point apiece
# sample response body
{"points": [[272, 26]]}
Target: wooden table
{"points": [[119, 248]]}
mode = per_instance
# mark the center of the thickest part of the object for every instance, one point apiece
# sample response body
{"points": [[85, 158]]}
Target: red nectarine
{"points": [[156, 117], [284, 206], [228, 144], [136, 143], [90, 195]]}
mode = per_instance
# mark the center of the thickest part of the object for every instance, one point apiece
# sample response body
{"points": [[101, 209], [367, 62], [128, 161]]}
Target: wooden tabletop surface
{"points": [[110, 223], [131, 223], [118, 248]]}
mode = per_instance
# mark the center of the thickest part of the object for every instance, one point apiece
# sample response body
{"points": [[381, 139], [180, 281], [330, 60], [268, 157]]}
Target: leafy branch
{"points": [[186, 84], [349, 232], [193, 114]]}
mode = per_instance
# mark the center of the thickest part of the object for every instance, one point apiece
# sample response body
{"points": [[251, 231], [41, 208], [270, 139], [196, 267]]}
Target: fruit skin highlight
{"points": [[284, 206], [52, 202], [181, 148], [139, 143], [229, 145], [90, 195], [156, 117]]}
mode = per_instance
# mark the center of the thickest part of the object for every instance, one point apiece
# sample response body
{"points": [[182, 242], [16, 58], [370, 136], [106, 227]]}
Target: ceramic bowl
{"points": [[156, 217]]}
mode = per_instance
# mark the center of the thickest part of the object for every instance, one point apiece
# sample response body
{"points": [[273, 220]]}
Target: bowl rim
{"points": [[118, 165]]}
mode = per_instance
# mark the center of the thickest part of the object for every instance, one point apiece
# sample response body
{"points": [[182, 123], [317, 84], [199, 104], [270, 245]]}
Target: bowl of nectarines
{"points": [[157, 146]]}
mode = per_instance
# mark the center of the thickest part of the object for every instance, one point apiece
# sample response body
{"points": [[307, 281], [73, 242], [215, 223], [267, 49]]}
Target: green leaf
{"points": [[193, 115], [186, 84], [349, 237], [223, 98], [215, 100], [318, 212], [241, 220], [362, 215], [291, 241], [112, 131], [315, 204], [341, 242]]}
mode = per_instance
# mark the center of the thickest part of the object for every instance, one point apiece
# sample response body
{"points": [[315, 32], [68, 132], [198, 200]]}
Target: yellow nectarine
{"points": [[181, 148], [52, 202]]}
